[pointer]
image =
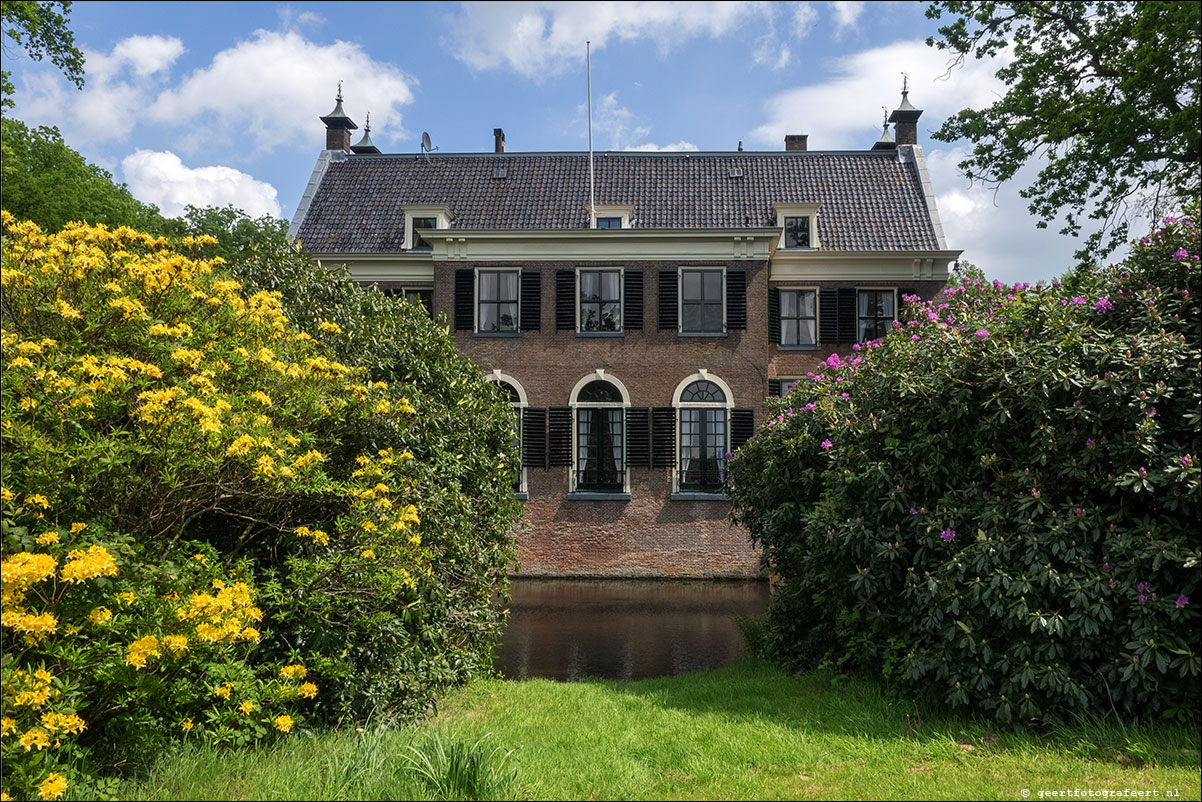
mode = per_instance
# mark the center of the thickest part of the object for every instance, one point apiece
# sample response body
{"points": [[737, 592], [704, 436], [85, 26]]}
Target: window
{"points": [[414, 295], [497, 304], [701, 302], [703, 412], [609, 222], [797, 232], [517, 402], [876, 313], [420, 224], [799, 318], [600, 462], [600, 300]]}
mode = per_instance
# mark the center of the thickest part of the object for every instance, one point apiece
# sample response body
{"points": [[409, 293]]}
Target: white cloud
{"points": [[804, 17], [119, 85], [651, 147], [164, 180], [770, 53], [290, 20], [269, 90], [846, 13], [536, 39]]}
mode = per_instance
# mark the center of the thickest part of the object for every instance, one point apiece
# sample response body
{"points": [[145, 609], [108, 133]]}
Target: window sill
{"points": [[601, 334], [587, 496], [501, 334], [797, 347], [523, 496], [700, 334], [697, 496]]}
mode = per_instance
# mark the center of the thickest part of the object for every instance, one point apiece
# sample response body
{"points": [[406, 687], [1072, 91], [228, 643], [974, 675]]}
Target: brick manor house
{"points": [[637, 342]]}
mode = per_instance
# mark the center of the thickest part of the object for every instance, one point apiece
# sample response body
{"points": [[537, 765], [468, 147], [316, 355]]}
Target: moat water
{"points": [[571, 629]]}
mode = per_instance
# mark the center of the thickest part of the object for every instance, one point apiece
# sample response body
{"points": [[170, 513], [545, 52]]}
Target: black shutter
{"points": [[828, 316], [667, 300], [742, 427], [534, 437], [632, 311], [774, 316], [465, 299], [638, 437], [565, 300], [532, 300], [663, 436], [559, 436], [736, 300], [849, 321], [774, 388]]}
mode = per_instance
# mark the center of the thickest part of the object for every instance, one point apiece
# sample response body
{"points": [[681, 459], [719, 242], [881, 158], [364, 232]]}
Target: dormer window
{"points": [[797, 232], [423, 218], [609, 222], [612, 217], [799, 225]]}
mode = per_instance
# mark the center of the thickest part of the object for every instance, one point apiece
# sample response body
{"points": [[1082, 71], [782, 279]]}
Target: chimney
{"points": [[338, 126], [796, 141], [498, 136], [905, 119]]}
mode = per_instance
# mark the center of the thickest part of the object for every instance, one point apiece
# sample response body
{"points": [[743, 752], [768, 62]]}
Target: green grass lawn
{"points": [[745, 732]]}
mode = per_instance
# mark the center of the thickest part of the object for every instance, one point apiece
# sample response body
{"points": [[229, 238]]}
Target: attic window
{"points": [[500, 172], [736, 172]]}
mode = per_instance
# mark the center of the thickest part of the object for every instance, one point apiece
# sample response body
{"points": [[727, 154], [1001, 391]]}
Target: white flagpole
{"points": [[592, 196]]}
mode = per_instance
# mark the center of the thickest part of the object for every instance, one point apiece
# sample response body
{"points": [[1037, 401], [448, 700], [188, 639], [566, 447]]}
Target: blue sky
{"points": [[216, 103]]}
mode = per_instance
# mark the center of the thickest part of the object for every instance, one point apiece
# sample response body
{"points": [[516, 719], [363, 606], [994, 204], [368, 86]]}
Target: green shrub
{"points": [[210, 526], [997, 506]]}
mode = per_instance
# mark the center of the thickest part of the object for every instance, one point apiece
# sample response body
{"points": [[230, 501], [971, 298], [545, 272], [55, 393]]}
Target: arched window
{"points": [[599, 404], [703, 405], [517, 402]]}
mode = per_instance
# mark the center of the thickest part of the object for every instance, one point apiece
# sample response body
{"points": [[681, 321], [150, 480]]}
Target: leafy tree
{"points": [[49, 183], [1107, 93], [42, 32], [964, 271]]}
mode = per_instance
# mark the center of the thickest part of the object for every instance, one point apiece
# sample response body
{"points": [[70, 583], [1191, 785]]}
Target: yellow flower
{"points": [[100, 616], [38, 499], [186, 725], [25, 568], [294, 671], [62, 722], [262, 397], [66, 310], [7, 725], [6, 494], [78, 527], [308, 690], [368, 554], [53, 786], [126, 597], [283, 723], [37, 737], [84, 565], [141, 650], [48, 538], [329, 326], [246, 708], [416, 540], [176, 644], [224, 690], [201, 558]]}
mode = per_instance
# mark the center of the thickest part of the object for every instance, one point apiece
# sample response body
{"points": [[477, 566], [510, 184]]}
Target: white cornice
{"points": [[458, 245]]}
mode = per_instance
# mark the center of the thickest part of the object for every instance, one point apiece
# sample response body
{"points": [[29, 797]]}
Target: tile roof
{"points": [[870, 200]]}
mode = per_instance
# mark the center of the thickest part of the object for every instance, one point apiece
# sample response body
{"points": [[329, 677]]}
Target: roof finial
{"points": [[886, 110], [367, 125], [339, 97], [905, 82]]}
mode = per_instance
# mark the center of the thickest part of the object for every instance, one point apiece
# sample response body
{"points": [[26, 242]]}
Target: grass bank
{"points": [[745, 732]]}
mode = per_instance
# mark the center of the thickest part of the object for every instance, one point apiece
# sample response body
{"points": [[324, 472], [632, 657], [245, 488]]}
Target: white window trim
{"points": [[624, 211], [680, 301], [497, 376], [621, 299], [817, 319], [624, 405], [442, 214], [701, 375], [476, 301], [810, 210], [892, 289]]}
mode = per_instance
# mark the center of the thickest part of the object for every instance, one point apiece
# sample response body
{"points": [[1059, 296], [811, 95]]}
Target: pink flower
{"points": [[982, 334], [826, 444], [1182, 600], [1180, 254]]}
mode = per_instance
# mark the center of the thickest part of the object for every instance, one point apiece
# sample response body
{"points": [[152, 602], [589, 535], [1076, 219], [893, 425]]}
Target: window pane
{"points": [[610, 286], [788, 332], [797, 232], [508, 314], [691, 317], [806, 333], [713, 285], [864, 298], [886, 304], [807, 304], [488, 286], [611, 317], [590, 285], [488, 317], [609, 222], [711, 318], [508, 286], [692, 285], [788, 304]]}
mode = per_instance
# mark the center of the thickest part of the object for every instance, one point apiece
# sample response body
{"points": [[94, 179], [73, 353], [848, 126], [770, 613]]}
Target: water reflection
{"points": [[569, 629]]}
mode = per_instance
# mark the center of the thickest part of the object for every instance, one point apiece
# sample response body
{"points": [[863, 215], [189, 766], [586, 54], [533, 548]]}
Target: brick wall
{"points": [[649, 534]]}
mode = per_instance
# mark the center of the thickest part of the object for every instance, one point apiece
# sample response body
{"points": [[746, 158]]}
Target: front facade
{"points": [[638, 339]]}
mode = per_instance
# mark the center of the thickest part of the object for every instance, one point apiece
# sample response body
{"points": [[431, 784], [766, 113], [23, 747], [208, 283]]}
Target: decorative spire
{"points": [[886, 141], [337, 119], [365, 145], [906, 116]]}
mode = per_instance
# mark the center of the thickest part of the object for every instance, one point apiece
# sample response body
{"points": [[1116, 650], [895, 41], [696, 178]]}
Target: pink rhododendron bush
{"points": [[212, 528], [997, 505]]}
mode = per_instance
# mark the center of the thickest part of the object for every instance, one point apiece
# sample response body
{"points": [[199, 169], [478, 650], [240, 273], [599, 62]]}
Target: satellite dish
{"points": [[425, 142]]}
